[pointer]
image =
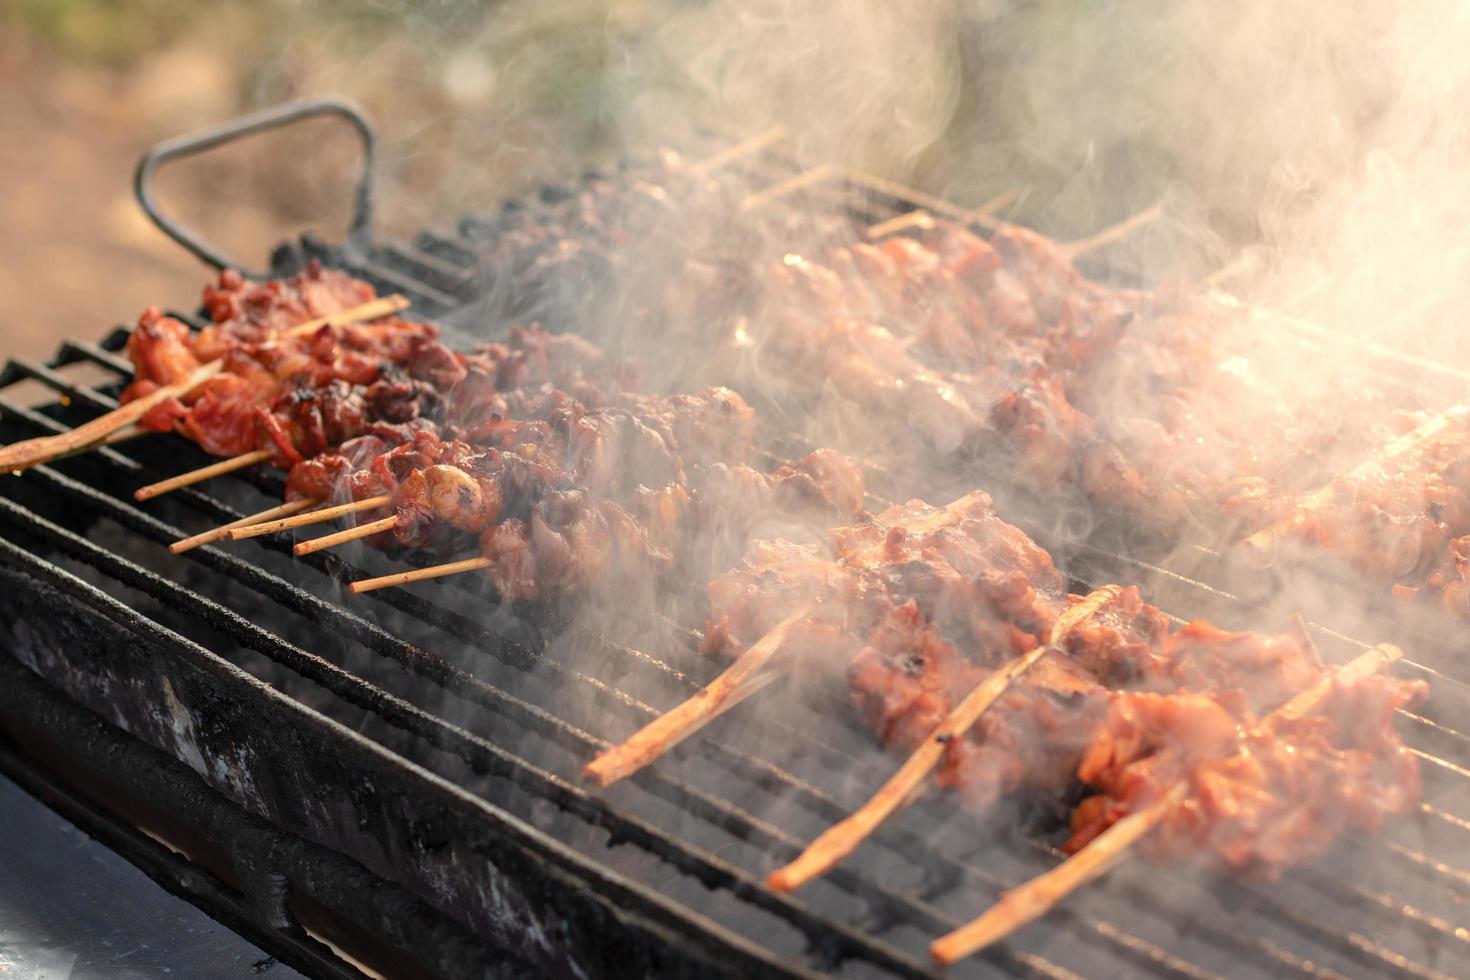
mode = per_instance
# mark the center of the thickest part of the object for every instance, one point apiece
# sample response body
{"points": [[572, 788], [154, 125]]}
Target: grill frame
{"points": [[704, 946]]}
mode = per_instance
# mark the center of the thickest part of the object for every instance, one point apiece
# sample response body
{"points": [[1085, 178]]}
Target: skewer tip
{"points": [[600, 773], [781, 880], [949, 950]]}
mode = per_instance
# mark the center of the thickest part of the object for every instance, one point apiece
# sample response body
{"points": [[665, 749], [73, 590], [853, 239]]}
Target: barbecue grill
{"points": [[391, 781]]}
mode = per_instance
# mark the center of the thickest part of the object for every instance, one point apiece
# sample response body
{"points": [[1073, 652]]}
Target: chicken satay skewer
{"points": [[1030, 901], [841, 839], [740, 680], [1260, 544], [255, 530], [22, 455], [223, 531]]}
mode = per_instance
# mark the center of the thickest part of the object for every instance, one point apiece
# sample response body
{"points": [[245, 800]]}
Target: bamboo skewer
{"points": [[915, 197], [922, 218], [1260, 544], [223, 531], [371, 310], [1112, 233], [342, 537], [419, 575], [303, 520], [22, 455], [203, 473], [126, 434], [790, 185], [730, 154], [841, 839], [1028, 902], [747, 675]]}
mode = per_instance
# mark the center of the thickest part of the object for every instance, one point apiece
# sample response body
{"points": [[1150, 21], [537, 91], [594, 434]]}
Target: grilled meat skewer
{"points": [[1249, 791]]}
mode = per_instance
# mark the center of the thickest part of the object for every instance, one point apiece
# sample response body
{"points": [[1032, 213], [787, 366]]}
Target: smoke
{"points": [[867, 85]]}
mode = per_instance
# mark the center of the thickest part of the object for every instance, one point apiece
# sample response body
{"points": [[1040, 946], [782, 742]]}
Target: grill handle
{"points": [[359, 233]]}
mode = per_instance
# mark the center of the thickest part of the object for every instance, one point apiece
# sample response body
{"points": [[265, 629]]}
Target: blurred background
{"points": [[1314, 132]]}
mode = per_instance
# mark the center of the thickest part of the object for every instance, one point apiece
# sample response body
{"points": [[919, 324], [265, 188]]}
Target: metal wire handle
{"points": [[359, 233]]}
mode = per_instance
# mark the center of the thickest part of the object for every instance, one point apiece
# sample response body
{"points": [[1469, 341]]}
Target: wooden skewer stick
{"points": [[730, 154], [841, 839], [419, 575], [371, 310], [203, 473], [21, 455], [1036, 897], [126, 434], [315, 517], [921, 218], [909, 195], [790, 185], [1261, 544], [1112, 233], [342, 537], [223, 531], [744, 677]]}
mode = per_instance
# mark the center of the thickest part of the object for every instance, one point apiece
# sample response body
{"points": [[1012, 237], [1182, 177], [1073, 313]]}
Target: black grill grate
{"points": [[506, 707]]}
